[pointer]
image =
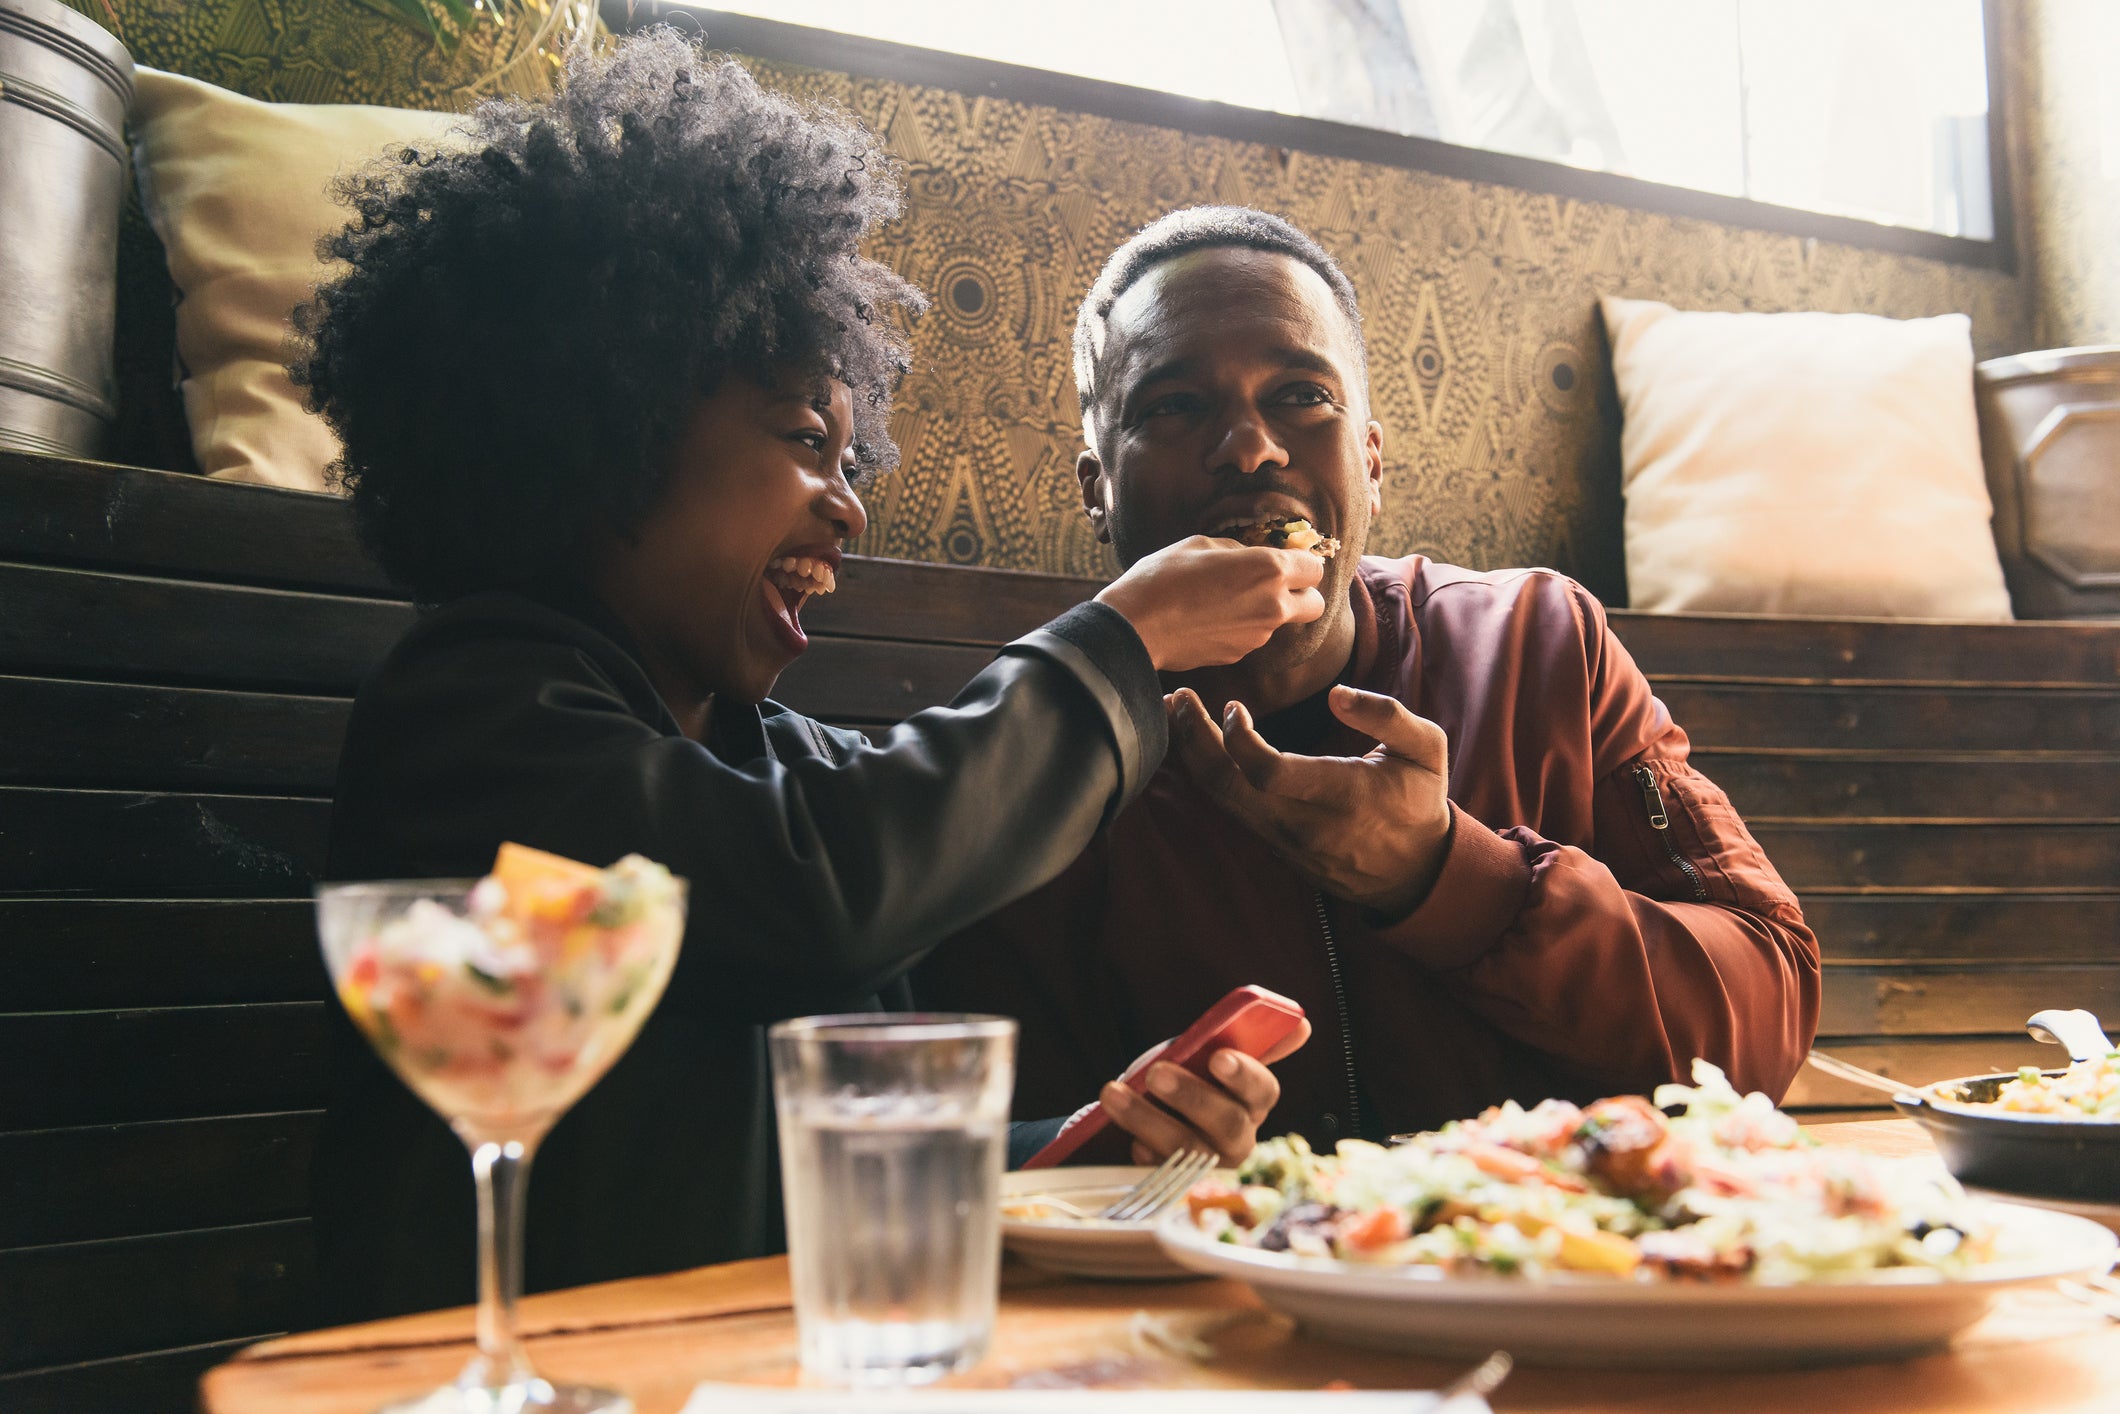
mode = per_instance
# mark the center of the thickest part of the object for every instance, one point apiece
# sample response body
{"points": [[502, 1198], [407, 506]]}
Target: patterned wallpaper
{"points": [[324, 51], [1489, 369], [1488, 365], [2072, 151]]}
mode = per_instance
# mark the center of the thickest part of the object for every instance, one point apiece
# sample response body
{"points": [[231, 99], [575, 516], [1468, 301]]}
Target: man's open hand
{"points": [[1369, 829]]}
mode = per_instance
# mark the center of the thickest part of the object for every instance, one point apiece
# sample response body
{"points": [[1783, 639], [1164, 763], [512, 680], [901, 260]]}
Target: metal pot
{"points": [[2039, 1156], [2042, 1156], [65, 88]]}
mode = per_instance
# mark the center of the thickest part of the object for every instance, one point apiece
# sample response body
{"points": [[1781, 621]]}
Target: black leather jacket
{"points": [[822, 867]]}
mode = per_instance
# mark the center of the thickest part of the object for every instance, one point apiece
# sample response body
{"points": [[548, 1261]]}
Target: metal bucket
{"points": [[65, 86], [2050, 430]]}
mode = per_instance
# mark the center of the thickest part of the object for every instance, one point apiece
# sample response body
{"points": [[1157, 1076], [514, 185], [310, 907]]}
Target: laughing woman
{"points": [[605, 374]]}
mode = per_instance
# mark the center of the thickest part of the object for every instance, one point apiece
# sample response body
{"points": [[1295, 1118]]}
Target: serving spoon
{"points": [[1833, 1065], [2078, 1030]]}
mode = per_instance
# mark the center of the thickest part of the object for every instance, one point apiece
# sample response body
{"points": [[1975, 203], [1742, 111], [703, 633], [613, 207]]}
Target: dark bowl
{"points": [[2039, 1156]]}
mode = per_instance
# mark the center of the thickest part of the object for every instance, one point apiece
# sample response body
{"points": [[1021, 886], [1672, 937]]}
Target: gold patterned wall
{"points": [[1488, 367], [2071, 157], [1489, 370], [325, 51]]}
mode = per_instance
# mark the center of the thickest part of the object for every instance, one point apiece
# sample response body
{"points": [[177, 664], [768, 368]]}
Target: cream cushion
{"points": [[238, 191], [1802, 464]]}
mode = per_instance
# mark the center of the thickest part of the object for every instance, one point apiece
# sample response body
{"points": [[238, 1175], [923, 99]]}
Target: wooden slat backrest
{"points": [[1747, 648], [138, 521], [1945, 798], [177, 659]]}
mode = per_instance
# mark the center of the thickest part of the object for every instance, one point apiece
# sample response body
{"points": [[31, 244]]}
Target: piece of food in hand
{"points": [[1286, 534]]}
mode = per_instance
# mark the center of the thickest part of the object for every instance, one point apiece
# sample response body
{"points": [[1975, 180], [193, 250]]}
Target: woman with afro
{"points": [[605, 371]]}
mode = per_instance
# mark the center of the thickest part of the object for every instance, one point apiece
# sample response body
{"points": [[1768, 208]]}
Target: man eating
{"points": [[1449, 817]]}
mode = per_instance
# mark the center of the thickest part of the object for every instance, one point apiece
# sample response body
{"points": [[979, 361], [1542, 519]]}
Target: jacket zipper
{"points": [[1339, 1000], [1660, 821]]}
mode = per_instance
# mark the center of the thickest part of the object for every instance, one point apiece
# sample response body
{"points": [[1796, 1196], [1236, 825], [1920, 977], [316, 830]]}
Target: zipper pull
{"points": [[1652, 797], [1660, 821]]}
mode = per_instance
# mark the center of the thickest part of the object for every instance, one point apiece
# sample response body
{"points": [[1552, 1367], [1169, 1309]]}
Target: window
{"points": [[1872, 109]]}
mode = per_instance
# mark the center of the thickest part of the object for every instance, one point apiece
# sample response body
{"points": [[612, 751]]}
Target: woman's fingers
{"points": [[1204, 602]]}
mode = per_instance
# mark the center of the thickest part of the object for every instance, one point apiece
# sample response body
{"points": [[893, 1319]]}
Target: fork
{"points": [[1160, 1187], [2099, 1292], [1476, 1383]]}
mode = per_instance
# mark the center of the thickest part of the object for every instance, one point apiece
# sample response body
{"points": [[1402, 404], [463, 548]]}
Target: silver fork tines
{"points": [[1160, 1187]]}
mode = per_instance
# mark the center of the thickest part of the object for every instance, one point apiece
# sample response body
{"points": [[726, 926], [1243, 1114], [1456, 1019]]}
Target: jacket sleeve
{"points": [[814, 880], [1626, 955]]}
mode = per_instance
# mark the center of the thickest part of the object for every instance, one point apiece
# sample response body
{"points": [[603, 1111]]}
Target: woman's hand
{"points": [[1183, 1111], [1204, 602]]}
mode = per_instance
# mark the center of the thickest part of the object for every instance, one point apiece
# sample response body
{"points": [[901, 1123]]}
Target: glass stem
{"points": [[501, 1168]]}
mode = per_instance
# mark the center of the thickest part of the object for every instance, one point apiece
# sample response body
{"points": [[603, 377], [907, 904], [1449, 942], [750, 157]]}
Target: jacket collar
{"points": [[736, 731], [1375, 637]]}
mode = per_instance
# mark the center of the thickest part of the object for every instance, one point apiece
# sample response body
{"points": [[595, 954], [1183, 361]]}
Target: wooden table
{"points": [[2037, 1353]]}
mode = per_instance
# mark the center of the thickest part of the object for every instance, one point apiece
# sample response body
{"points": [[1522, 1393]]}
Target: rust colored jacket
{"points": [[1601, 918]]}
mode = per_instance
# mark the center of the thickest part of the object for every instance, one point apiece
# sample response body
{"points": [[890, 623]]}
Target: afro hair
{"points": [[529, 311]]}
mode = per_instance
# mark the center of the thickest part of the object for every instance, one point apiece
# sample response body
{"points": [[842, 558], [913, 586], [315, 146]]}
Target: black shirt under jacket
{"points": [[821, 866]]}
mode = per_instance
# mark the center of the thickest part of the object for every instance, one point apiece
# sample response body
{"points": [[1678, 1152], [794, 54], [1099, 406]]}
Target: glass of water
{"points": [[892, 1133]]}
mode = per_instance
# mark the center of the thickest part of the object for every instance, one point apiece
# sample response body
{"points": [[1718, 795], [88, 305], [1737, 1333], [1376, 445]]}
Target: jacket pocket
{"points": [[1702, 849]]}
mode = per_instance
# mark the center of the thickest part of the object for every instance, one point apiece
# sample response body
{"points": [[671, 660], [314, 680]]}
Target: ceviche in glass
{"points": [[1694, 1183], [500, 1001]]}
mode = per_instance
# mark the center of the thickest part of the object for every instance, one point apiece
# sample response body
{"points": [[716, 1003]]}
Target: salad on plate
{"points": [[1695, 1183]]}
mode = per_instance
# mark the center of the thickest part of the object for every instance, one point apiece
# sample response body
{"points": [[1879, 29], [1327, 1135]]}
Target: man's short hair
{"points": [[1196, 228]]}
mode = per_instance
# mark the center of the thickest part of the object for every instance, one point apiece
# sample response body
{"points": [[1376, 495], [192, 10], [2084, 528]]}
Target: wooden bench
{"points": [[177, 659], [1944, 798]]}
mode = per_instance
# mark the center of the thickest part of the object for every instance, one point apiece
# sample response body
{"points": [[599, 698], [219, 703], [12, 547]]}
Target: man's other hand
{"points": [[1183, 1111], [1369, 829]]}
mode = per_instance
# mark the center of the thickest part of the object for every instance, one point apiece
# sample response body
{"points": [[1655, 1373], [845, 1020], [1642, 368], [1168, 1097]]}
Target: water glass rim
{"points": [[869, 1027]]}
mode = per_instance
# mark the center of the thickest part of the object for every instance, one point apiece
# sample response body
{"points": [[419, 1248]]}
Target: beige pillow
{"points": [[237, 190], [1802, 464]]}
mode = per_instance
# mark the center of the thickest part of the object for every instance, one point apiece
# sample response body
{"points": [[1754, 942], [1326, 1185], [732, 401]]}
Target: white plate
{"points": [[1077, 1248], [2104, 1214], [1568, 1319]]}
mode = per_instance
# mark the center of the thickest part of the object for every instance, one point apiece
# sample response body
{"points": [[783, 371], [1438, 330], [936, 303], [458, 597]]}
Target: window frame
{"points": [[781, 42]]}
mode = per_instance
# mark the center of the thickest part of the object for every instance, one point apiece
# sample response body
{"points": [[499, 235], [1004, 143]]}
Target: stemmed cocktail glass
{"points": [[500, 1002]]}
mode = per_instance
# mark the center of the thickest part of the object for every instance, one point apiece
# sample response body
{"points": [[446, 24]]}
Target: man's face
{"points": [[1231, 392]]}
